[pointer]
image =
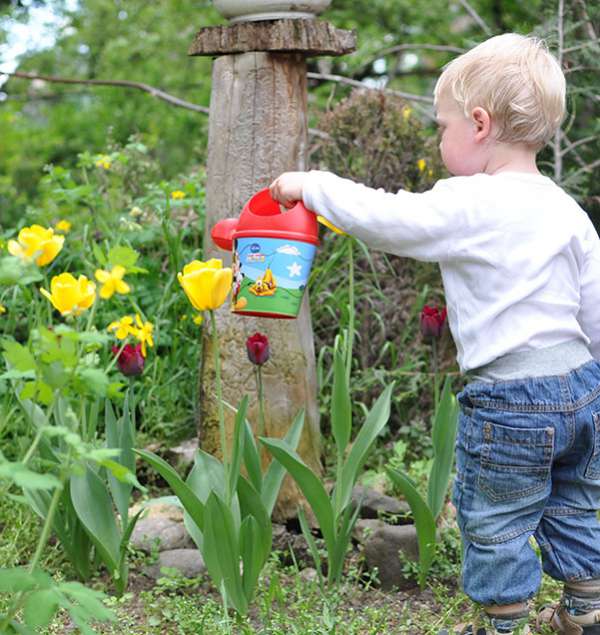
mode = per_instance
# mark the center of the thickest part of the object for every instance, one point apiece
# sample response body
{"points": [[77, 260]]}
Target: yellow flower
{"points": [[36, 242], [70, 295], [63, 226], [2, 309], [143, 333], [136, 212], [329, 225], [103, 162], [122, 327], [198, 319], [112, 282], [421, 165], [406, 113], [206, 284], [177, 195]]}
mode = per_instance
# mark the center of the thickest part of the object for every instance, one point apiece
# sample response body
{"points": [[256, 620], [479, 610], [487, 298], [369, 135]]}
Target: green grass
{"points": [[287, 603]]}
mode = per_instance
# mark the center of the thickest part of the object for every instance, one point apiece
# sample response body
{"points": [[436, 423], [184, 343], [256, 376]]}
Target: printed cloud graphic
{"points": [[290, 250]]}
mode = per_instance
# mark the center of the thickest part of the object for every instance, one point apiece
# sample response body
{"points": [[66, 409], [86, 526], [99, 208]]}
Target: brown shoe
{"points": [[561, 622]]}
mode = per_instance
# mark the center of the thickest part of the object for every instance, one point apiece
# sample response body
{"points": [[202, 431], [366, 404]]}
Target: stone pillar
{"points": [[257, 130]]}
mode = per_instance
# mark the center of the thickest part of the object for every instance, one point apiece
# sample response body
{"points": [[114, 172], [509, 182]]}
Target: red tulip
{"points": [[432, 322], [130, 360], [257, 346]]}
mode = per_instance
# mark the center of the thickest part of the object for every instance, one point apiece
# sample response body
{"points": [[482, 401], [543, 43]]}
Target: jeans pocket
{"points": [[592, 470], [515, 462]]}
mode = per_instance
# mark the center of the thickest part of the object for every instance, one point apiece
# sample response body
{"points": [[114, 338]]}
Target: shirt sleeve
{"points": [[425, 226], [589, 312]]}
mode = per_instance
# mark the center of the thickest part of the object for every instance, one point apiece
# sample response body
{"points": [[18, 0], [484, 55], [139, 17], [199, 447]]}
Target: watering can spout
{"points": [[222, 233]]}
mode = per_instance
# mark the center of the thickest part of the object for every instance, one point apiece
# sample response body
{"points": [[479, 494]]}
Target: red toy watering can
{"points": [[272, 255]]}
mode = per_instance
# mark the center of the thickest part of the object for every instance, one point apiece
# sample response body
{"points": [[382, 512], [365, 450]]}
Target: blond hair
{"points": [[516, 80]]}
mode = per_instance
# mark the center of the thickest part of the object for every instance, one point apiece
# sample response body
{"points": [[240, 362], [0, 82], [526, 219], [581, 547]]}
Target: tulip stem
{"points": [[436, 379], [351, 309], [217, 354], [261, 402]]}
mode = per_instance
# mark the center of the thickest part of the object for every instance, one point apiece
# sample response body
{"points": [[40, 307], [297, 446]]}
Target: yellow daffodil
{"points": [[103, 162], [198, 319], [63, 226], [331, 226], [122, 327], [36, 242], [112, 282], [177, 195], [421, 164], [2, 309], [71, 296], [143, 333], [206, 284]]}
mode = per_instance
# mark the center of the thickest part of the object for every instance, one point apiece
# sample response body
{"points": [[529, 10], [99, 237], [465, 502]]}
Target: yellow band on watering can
{"points": [[333, 228]]}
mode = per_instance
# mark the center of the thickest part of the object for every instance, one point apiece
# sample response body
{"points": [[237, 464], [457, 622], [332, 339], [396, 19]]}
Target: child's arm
{"points": [[424, 226], [589, 312]]}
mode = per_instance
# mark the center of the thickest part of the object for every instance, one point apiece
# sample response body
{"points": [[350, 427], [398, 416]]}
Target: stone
{"points": [[163, 525], [365, 528], [188, 562], [309, 574], [382, 550], [374, 503], [182, 456]]}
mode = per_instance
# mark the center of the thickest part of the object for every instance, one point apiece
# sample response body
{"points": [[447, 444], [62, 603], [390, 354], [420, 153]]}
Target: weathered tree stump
{"points": [[257, 130]]}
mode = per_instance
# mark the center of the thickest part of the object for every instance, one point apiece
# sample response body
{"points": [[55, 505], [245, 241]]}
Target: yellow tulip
{"points": [[63, 226], [71, 296], [143, 333], [123, 327], [36, 242], [331, 226], [112, 282], [206, 284]]}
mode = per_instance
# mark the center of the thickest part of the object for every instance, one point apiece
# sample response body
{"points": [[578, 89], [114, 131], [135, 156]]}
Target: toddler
{"points": [[520, 263]]}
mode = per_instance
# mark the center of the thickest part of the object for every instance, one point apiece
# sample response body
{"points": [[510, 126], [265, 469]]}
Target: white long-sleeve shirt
{"points": [[520, 260]]}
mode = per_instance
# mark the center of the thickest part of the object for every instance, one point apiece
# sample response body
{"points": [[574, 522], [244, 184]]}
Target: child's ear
{"points": [[483, 123]]}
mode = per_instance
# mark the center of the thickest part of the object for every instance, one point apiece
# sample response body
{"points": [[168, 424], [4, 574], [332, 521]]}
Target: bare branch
{"points": [[579, 142], [588, 168], [476, 17], [155, 92], [588, 22], [579, 47], [353, 82], [558, 138]]}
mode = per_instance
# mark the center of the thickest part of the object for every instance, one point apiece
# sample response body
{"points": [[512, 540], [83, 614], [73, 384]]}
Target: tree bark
{"points": [[257, 130]]}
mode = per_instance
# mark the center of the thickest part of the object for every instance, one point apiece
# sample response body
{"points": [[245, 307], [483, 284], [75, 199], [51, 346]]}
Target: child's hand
{"points": [[287, 189]]}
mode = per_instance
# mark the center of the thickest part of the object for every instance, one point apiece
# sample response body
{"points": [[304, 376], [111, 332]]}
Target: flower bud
{"points": [[130, 360], [432, 322], [257, 346]]}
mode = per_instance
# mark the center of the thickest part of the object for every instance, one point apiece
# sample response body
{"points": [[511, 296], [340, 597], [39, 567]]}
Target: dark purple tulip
{"points": [[257, 346], [432, 322], [130, 361]]}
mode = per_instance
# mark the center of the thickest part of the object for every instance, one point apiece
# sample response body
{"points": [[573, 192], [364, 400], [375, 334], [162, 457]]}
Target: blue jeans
{"points": [[528, 464]]}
